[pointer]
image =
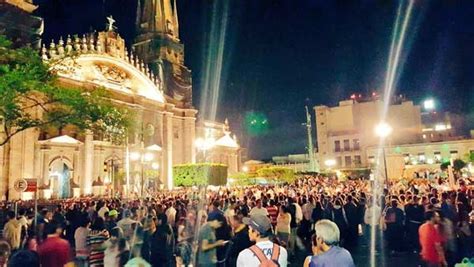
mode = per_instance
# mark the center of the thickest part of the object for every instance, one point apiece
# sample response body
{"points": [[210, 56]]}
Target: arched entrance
{"points": [[60, 172]]}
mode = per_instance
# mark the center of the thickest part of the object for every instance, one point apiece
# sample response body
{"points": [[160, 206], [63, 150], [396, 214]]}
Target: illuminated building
{"points": [[150, 80], [344, 132]]}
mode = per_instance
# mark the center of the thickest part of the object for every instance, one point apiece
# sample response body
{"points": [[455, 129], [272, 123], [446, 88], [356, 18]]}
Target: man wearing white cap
{"points": [[264, 251]]}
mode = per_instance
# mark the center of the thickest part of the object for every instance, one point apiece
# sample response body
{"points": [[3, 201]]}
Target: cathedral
{"points": [[148, 77]]}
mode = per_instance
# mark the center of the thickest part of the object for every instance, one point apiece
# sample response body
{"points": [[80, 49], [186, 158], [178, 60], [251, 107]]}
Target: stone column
{"points": [[86, 182], [168, 148], [189, 136]]}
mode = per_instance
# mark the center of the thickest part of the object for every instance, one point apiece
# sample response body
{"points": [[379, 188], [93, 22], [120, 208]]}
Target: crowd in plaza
{"points": [[264, 225]]}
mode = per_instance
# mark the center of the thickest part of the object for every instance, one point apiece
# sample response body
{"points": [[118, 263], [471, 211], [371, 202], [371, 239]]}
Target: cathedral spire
{"points": [[160, 16]]}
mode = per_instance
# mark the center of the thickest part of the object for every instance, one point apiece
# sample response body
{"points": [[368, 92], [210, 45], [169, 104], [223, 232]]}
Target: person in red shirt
{"points": [[55, 251], [431, 241], [272, 210]]}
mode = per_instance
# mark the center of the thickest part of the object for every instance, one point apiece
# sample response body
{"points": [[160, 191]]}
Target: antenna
{"points": [[313, 166]]}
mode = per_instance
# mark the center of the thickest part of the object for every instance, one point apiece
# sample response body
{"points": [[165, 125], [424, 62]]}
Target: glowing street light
{"points": [[330, 162], [383, 129]]}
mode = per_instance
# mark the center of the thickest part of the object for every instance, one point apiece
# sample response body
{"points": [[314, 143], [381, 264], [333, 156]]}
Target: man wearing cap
{"points": [[260, 230]]}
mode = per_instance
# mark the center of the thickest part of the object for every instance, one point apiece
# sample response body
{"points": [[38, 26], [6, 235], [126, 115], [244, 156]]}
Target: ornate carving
{"points": [[112, 73]]}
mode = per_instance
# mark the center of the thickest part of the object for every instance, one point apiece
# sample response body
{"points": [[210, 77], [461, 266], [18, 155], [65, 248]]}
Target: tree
{"points": [[30, 97], [458, 164], [279, 174]]}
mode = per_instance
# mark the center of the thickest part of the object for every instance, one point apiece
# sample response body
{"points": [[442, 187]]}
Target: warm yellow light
{"points": [[330, 162], [134, 156], [245, 169], [383, 129], [148, 157], [155, 166]]}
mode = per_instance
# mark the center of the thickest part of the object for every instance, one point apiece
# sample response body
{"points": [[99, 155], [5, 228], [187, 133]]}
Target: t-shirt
{"points": [[273, 214], [96, 240], [54, 252], [102, 212], [137, 262], [334, 257], [209, 256], [429, 236], [258, 211], [80, 237], [248, 258]]}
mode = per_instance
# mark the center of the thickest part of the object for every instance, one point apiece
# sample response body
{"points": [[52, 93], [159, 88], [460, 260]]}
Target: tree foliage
{"points": [[279, 174], [30, 96], [458, 164], [200, 174]]}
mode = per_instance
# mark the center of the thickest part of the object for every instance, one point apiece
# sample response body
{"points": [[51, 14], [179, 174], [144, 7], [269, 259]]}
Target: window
{"points": [[322, 123], [454, 154], [337, 146], [347, 160], [347, 146], [371, 159], [437, 156], [421, 157], [406, 158], [356, 144], [357, 160], [339, 161]]}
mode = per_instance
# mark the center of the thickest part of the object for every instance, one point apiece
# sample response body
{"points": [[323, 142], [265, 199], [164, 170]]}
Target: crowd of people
{"points": [[256, 225]]}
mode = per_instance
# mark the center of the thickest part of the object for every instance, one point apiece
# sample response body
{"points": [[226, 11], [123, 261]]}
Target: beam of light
{"points": [[393, 69], [213, 66], [396, 58]]}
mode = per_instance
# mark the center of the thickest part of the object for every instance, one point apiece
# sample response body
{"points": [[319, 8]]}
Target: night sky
{"points": [[282, 54]]}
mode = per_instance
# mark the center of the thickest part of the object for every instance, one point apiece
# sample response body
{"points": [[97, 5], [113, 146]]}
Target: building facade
{"points": [[418, 160], [151, 81], [346, 131]]}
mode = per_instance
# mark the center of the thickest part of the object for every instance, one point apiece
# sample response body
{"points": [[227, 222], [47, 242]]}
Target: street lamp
{"points": [[383, 130], [204, 145], [145, 156], [330, 163]]}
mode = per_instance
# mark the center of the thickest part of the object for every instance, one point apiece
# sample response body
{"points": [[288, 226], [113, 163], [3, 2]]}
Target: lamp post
{"points": [[204, 145], [383, 130], [145, 156]]}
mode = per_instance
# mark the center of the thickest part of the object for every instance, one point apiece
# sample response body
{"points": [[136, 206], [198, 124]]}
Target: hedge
{"points": [[279, 174], [200, 174]]}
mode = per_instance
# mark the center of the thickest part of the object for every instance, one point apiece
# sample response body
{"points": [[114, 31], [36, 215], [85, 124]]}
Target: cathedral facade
{"points": [[151, 81]]}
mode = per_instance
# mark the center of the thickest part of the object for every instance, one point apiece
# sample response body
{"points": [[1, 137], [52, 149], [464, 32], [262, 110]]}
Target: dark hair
{"points": [[22, 258], [11, 214], [429, 215], [98, 224], [51, 227]]}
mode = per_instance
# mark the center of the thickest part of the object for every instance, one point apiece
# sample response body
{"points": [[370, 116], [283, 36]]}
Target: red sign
{"points": [[32, 185]]}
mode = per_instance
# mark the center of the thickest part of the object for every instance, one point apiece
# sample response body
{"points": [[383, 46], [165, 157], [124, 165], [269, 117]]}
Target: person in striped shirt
{"points": [[272, 210], [96, 242]]}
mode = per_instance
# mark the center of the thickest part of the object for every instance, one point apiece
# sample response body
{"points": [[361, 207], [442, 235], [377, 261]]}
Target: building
{"points": [[18, 23], [150, 79], [215, 143], [297, 162], [415, 160], [346, 131]]}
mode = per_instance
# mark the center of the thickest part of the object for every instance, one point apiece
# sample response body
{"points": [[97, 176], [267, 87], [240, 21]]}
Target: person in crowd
{"points": [[12, 231], [283, 226], [80, 237], [127, 224], [185, 237], [171, 214], [103, 210], [113, 249], [24, 258], [208, 243], [5, 252], [55, 251], [352, 217], [272, 211], [240, 240], [137, 260], [264, 250], [431, 241], [326, 252], [258, 209], [162, 243], [394, 218], [414, 218], [95, 242]]}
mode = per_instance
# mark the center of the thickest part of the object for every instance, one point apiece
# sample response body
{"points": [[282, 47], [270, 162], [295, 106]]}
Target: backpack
{"points": [[264, 261]]}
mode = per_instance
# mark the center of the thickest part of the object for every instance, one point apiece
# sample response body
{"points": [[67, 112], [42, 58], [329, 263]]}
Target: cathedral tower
{"points": [[158, 44]]}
